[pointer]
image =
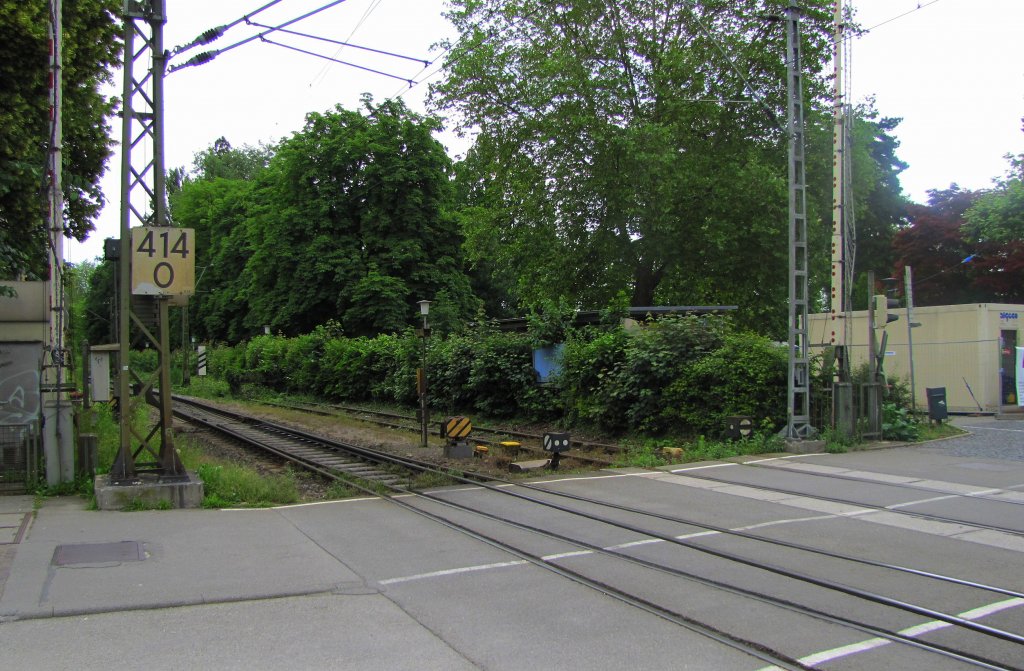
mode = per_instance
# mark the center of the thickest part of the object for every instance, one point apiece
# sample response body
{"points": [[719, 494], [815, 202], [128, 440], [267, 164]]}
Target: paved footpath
{"points": [[330, 586]]}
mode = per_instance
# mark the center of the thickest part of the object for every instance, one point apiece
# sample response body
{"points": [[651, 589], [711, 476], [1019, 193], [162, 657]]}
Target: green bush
{"points": [[678, 375], [746, 375]]}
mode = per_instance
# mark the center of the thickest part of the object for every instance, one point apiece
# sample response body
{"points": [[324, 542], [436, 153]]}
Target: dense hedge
{"points": [[677, 375]]}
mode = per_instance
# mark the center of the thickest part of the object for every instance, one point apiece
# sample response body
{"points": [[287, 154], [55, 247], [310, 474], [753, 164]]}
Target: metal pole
{"points": [[124, 463], [424, 418], [56, 223], [186, 358], [909, 291]]}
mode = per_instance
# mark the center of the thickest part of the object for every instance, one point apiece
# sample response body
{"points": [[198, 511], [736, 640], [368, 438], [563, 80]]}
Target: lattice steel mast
{"points": [[143, 202], [798, 424]]}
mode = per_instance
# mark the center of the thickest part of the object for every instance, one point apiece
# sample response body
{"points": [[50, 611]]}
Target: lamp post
{"points": [[421, 374]]}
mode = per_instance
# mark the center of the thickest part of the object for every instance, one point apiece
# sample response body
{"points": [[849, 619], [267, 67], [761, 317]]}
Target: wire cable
{"points": [[900, 16], [359, 24], [213, 34], [207, 56], [335, 60], [426, 63]]}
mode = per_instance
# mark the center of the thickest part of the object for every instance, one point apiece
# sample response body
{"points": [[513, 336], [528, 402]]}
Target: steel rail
{"points": [[786, 604], [832, 499], [605, 447], [780, 602], [898, 485]]}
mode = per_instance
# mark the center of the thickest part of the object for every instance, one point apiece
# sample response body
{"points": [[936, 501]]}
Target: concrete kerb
{"points": [[154, 493]]}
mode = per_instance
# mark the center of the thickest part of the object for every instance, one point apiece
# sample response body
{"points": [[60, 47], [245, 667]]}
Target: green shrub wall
{"points": [[679, 375]]}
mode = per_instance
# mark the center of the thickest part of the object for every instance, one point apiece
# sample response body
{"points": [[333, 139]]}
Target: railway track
{"points": [[868, 506], [978, 645], [332, 459], [582, 450]]}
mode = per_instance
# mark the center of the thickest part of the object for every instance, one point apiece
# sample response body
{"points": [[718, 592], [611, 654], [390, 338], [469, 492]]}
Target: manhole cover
{"points": [[97, 553]]}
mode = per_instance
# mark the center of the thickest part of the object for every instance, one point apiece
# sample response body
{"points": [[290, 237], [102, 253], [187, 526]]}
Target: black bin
{"points": [[936, 403]]}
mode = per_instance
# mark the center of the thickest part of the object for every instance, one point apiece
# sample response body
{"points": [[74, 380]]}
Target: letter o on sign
{"points": [[163, 275]]}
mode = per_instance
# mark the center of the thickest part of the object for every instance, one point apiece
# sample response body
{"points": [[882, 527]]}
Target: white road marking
{"points": [[989, 428], [788, 456], [453, 571], [911, 632], [701, 468], [933, 499]]}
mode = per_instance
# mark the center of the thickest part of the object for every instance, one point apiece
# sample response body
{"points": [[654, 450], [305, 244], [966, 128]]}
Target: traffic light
{"points": [[884, 307]]}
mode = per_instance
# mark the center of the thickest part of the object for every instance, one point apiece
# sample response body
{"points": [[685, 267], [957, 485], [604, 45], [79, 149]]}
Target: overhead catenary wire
{"points": [[899, 16], [335, 60], [359, 24], [425, 62], [208, 36], [207, 56]]}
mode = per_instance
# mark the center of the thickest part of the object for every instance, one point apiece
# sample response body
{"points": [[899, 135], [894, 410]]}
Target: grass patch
{"points": [[434, 479], [231, 485], [654, 453], [930, 431], [207, 387], [136, 505], [341, 489]]}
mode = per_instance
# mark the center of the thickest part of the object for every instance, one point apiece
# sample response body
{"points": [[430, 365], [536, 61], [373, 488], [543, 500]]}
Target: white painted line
{"points": [[911, 632], [453, 571], [586, 477], [897, 506], [989, 428], [565, 555], [801, 467], [633, 544], [359, 499], [701, 468], [775, 523], [933, 527], [952, 487], [996, 539], [890, 517], [788, 456]]}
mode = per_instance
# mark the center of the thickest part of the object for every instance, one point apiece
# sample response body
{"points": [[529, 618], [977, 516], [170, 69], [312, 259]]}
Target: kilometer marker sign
{"points": [[163, 261]]}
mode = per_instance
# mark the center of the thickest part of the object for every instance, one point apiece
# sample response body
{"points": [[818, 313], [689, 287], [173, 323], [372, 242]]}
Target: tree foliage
{"points": [[610, 157], [91, 48], [998, 215], [348, 219], [950, 266]]}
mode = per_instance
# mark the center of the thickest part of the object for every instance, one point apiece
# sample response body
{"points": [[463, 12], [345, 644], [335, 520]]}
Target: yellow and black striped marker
{"points": [[457, 428]]}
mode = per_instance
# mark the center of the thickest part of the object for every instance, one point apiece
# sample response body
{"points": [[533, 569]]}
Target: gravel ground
{"points": [[313, 487], [989, 438]]}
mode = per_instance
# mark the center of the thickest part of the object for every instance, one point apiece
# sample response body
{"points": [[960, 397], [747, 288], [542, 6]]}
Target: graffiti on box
{"points": [[19, 382]]}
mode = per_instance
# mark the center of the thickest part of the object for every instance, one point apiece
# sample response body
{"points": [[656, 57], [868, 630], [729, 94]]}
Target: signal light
{"points": [[884, 314]]}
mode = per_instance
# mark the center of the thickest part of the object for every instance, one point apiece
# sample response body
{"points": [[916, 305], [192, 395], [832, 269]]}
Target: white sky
{"points": [[952, 70]]}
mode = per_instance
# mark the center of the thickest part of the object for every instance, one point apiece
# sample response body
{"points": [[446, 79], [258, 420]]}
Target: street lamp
{"points": [[421, 374]]}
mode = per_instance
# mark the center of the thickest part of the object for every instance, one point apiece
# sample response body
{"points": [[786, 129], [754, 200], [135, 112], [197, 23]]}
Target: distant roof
{"points": [[587, 317]]}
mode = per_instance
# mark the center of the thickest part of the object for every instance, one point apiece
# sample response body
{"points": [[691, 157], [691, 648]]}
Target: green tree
{"points": [[354, 208], [998, 215], [99, 307], [879, 208], [349, 219], [219, 211], [92, 47], [610, 157]]}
